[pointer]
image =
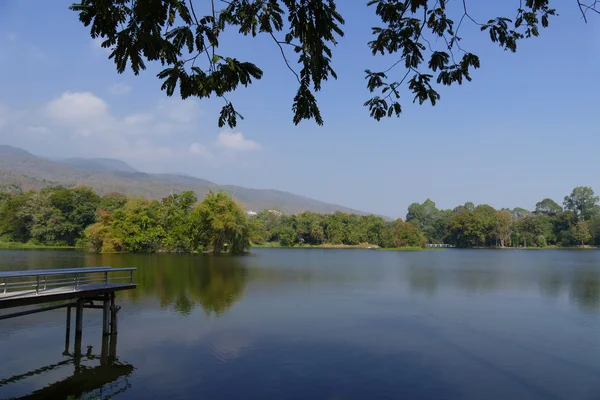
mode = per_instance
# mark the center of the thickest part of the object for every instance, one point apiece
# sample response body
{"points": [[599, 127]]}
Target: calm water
{"points": [[324, 324]]}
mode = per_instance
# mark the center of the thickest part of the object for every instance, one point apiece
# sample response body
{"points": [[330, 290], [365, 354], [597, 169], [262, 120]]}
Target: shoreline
{"points": [[29, 246], [339, 247]]}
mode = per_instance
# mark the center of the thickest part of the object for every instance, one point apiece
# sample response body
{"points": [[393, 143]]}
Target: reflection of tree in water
{"points": [[551, 284], [182, 281], [585, 289], [423, 279]]}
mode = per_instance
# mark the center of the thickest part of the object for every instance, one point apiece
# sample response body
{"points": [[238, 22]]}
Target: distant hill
{"points": [[22, 168], [99, 164]]}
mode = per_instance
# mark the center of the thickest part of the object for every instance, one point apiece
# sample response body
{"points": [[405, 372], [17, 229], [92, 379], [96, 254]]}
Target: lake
{"points": [[324, 324]]}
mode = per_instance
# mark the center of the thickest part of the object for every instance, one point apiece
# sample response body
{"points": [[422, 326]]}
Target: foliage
{"points": [[57, 216], [423, 41], [219, 224], [404, 234], [583, 203], [581, 233], [548, 207]]}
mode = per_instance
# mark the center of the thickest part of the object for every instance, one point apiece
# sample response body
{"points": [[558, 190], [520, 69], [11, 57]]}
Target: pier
{"points": [[78, 289], [91, 288]]}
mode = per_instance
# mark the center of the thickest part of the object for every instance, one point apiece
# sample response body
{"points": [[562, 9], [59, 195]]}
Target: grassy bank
{"points": [[26, 246]]}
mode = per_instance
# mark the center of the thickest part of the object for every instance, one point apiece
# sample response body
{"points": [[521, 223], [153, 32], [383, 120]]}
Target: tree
{"points": [[502, 227], [174, 218], [581, 233], [15, 222], [404, 234], [424, 217], [218, 224], [582, 202], [418, 36], [534, 230], [519, 212], [548, 207]]}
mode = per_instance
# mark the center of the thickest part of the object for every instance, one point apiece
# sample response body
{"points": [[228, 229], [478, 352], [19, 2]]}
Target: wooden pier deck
{"points": [[30, 297], [82, 285], [77, 288]]}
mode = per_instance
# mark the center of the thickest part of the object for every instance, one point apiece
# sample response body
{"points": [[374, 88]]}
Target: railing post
{"points": [[76, 281], [131, 276], [45, 282], [37, 285], [5, 286], [105, 278]]}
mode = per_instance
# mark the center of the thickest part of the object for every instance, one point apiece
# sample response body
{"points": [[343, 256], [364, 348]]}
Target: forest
{"points": [[79, 217]]}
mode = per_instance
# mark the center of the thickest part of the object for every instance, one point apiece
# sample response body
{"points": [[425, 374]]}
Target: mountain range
{"points": [[106, 175]]}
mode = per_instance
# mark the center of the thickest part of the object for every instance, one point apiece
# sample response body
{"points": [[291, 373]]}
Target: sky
{"points": [[524, 129]]}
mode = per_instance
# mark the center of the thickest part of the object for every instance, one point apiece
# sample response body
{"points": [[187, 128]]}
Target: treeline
{"points": [[57, 216], [338, 228], [575, 223], [578, 223]]}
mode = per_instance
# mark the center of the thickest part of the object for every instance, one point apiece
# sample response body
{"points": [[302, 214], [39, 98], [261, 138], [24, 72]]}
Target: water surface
{"points": [[323, 324]]}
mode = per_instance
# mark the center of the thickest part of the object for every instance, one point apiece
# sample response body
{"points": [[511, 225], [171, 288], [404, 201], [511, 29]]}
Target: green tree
{"points": [[136, 227], [474, 228], [174, 218], [186, 41], [15, 221], [519, 212], [548, 207], [582, 202], [502, 227], [534, 230], [372, 229], [424, 216], [218, 224], [581, 233], [112, 201], [310, 229], [335, 231], [404, 234]]}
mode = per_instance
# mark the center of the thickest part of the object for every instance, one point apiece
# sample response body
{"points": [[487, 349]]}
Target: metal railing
{"points": [[74, 278]]}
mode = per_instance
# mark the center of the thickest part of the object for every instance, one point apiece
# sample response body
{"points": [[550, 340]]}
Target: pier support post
{"points": [[78, 325], [106, 316], [104, 351], [113, 314], [112, 351], [68, 330]]}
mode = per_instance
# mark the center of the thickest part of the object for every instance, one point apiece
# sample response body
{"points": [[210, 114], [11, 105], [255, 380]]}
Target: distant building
{"points": [[274, 212], [251, 213]]}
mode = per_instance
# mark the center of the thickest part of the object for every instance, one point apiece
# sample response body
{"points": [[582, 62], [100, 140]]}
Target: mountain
{"points": [[98, 164], [104, 175]]}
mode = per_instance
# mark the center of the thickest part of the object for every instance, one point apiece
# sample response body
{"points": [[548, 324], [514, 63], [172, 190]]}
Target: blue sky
{"points": [[523, 130]]}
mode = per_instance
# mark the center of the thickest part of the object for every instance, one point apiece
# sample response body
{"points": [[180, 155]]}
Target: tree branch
{"points": [[285, 58]]}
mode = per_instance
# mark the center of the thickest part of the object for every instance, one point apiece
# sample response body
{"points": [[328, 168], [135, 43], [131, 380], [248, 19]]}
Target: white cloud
{"points": [[198, 149], [165, 137], [119, 89], [236, 142], [84, 112], [78, 108], [12, 36]]}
